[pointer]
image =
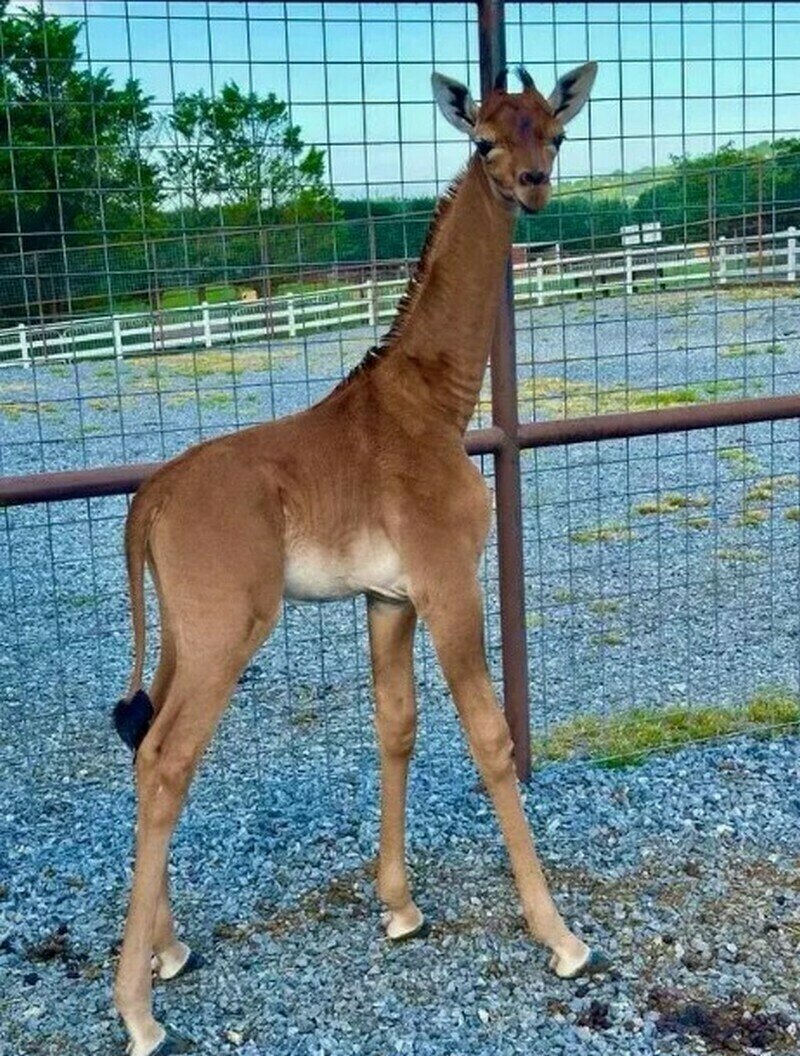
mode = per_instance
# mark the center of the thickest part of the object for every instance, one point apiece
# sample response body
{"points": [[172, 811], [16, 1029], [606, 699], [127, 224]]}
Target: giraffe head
{"points": [[517, 134]]}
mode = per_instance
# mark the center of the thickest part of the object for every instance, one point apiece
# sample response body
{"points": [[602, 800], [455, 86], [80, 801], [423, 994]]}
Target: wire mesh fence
{"points": [[208, 212]]}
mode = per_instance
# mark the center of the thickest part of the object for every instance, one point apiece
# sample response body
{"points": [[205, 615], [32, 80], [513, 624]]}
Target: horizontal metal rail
{"points": [[122, 480]]}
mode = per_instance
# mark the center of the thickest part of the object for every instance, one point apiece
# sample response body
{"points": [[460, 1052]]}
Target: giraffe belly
{"points": [[371, 566]]}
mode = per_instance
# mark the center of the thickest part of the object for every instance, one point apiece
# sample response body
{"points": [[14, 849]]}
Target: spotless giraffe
{"points": [[368, 492]]}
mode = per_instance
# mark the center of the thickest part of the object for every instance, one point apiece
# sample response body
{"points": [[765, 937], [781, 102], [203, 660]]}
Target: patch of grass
{"points": [[751, 518], [104, 372], [698, 523], [178, 297], [739, 457], [741, 555], [608, 638], [765, 490], [14, 411], [211, 400], [604, 606], [213, 363], [792, 514], [754, 348], [672, 503], [102, 403], [560, 398], [602, 533], [534, 620], [763, 292], [564, 596], [58, 370], [179, 399], [624, 739], [304, 719], [77, 601]]}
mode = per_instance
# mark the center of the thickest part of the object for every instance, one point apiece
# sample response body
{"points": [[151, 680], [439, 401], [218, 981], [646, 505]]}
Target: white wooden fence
{"points": [[769, 257]]}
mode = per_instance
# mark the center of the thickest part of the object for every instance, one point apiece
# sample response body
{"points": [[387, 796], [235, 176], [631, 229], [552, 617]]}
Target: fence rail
{"points": [[537, 281]]}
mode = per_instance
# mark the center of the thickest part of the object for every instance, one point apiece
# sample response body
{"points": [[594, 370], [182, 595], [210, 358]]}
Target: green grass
{"points": [[763, 292], [534, 620], [102, 403], [698, 523], [741, 555], [672, 503], [754, 348], [624, 739], [751, 518], [14, 411], [739, 457], [564, 596], [604, 606], [560, 398], [765, 490], [608, 638], [602, 533], [212, 400], [793, 514], [77, 601], [178, 297]]}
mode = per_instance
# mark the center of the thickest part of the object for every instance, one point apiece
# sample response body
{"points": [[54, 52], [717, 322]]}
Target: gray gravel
{"points": [[685, 869]]}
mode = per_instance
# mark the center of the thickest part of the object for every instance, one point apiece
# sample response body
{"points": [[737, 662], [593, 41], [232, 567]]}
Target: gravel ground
{"points": [[685, 868]]}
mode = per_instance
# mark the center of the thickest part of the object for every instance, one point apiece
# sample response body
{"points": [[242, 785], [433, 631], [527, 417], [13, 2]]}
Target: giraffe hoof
{"points": [[171, 1045], [168, 1046], [420, 931], [596, 963], [191, 964]]}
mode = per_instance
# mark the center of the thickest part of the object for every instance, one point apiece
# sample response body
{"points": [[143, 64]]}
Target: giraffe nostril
{"points": [[533, 177]]}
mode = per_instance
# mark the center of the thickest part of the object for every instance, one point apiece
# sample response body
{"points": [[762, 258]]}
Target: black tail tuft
{"points": [[132, 718]]}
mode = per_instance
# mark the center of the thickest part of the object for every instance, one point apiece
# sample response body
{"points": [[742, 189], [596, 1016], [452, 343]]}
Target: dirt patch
{"points": [[345, 894], [738, 1025]]}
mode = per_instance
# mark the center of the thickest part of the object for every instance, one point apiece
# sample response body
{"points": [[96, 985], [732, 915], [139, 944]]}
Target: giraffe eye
{"points": [[558, 140], [484, 146]]}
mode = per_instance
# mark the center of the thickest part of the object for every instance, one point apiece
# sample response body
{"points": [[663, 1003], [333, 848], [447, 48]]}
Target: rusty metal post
{"points": [[492, 41]]}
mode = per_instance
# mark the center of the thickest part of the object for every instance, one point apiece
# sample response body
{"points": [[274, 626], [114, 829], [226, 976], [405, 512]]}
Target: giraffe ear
{"points": [[572, 91], [455, 102]]}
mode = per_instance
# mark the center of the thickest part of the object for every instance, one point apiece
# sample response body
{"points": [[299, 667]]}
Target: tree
{"points": [[71, 158], [241, 150]]}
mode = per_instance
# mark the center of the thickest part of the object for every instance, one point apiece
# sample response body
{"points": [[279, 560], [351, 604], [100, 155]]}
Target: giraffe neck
{"points": [[445, 330]]}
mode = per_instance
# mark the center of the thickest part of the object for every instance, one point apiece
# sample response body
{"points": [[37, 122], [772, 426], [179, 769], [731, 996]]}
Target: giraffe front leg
{"points": [[391, 634], [456, 625]]}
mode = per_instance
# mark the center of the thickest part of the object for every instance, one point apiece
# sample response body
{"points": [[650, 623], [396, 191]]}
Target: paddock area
{"points": [[658, 575], [207, 219]]}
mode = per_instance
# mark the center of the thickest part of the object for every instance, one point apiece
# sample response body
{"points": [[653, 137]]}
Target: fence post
{"points": [[510, 558], [290, 315], [206, 325], [791, 255], [539, 281], [369, 292], [628, 272], [722, 260], [24, 348], [116, 331]]}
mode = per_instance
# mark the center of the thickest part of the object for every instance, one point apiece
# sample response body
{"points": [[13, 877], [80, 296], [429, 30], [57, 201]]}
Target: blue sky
{"points": [[673, 78]]}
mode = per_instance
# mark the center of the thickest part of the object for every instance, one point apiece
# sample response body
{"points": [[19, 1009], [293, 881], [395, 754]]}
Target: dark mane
{"points": [[374, 355]]}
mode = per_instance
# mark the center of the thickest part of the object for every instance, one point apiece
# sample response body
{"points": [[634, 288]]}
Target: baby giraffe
{"points": [[367, 492]]}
